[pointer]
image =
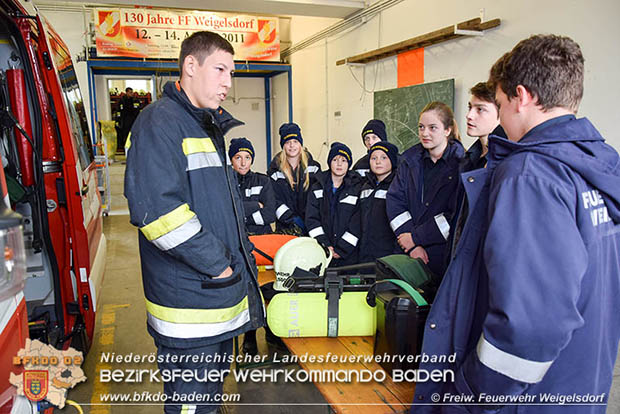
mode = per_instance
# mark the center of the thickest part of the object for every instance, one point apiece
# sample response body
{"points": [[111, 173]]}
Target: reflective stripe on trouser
{"points": [[512, 366], [173, 228], [196, 323], [209, 363], [400, 220]]}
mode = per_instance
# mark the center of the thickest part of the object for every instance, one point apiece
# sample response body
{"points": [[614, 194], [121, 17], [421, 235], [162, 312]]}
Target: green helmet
{"points": [[303, 252]]}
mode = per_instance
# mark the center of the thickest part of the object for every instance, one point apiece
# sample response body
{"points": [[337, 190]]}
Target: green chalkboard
{"points": [[400, 109]]}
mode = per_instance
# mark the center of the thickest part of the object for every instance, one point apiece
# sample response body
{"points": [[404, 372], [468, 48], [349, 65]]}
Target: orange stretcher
{"points": [[266, 246]]}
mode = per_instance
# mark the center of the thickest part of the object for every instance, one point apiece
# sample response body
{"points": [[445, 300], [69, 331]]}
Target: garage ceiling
{"points": [[316, 8]]}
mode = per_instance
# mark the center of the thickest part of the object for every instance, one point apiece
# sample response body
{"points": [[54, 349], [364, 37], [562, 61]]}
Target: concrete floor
{"points": [[121, 329]]}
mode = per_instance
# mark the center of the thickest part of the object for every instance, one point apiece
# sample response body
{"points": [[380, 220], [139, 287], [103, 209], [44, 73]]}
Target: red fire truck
{"points": [[48, 162]]}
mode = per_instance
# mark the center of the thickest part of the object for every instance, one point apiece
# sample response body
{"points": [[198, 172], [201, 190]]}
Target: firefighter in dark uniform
{"points": [[198, 272], [332, 214], [378, 239], [259, 203], [130, 108]]}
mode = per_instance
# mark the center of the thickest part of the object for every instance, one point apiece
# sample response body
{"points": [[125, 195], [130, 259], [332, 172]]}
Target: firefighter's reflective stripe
{"points": [[366, 193], [258, 218], [172, 229], [281, 210], [362, 172], [443, 225], [201, 153], [381, 194], [203, 160], [349, 238], [349, 200], [196, 323], [197, 145], [318, 193], [311, 169], [128, 142], [316, 232], [512, 366], [278, 175], [400, 220], [188, 409], [249, 192]]}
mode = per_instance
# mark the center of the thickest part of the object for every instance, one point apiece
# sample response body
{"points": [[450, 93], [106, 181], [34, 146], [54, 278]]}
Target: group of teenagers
{"points": [[528, 247], [383, 204]]}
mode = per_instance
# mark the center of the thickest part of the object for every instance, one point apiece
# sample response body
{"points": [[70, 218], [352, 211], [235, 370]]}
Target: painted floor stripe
{"points": [[106, 341]]}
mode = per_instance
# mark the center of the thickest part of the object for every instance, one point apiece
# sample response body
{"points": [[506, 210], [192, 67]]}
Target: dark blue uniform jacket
{"points": [[291, 202], [425, 212], [377, 239], [256, 188], [334, 219], [530, 303], [183, 197]]}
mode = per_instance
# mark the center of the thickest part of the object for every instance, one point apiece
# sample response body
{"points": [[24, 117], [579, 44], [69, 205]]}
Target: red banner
{"points": [[157, 34]]}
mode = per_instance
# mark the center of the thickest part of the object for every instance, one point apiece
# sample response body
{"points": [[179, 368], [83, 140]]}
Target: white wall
{"points": [[241, 97], [321, 87], [279, 108]]}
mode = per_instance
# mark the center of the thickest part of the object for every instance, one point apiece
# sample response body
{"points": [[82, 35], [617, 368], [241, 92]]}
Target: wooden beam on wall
{"points": [[425, 40]]}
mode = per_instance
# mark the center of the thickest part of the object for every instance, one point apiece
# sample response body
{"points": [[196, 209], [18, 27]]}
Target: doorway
{"points": [[127, 98]]}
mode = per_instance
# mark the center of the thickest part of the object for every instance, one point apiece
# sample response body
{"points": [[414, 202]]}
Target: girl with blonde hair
{"points": [[292, 171]]}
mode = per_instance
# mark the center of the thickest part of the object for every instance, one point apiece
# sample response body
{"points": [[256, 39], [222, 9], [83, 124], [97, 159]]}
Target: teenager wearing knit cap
{"points": [[332, 214], [292, 171], [377, 238], [373, 132], [259, 202], [421, 200]]}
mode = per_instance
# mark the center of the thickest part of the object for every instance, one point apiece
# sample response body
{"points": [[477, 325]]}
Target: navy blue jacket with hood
{"points": [[256, 188], [378, 239], [425, 212], [530, 303], [334, 219], [183, 197]]}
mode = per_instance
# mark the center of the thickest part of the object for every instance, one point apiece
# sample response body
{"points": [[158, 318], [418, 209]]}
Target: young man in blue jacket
{"points": [[198, 272], [530, 303]]}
